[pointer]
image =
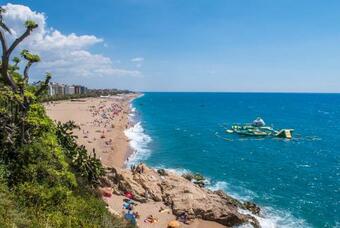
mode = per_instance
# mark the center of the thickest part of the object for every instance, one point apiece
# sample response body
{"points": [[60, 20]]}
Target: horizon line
{"points": [[269, 92]]}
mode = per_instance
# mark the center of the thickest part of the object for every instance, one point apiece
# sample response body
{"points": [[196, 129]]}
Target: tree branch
{"points": [[43, 85], [4, 62], [6, 52], [27, 67], [2, 25], [18, 41], [3, 42]]}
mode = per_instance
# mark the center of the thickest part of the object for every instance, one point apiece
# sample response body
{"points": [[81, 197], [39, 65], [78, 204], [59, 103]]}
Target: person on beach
{"points": [[183, 217]]}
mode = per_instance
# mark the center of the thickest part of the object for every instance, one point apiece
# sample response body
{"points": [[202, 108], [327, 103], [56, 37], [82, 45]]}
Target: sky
{"points": [[185, 45]]}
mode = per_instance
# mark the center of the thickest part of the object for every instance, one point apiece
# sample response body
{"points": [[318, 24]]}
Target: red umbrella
{"points": [[128, 195]]}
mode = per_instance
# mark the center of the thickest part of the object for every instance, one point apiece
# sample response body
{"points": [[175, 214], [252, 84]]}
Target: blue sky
{"points": [[211, 45]]}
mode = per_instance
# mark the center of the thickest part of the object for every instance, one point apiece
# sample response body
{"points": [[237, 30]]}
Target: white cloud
{"points": [[65, 56], [56, 40], [137, 59]]}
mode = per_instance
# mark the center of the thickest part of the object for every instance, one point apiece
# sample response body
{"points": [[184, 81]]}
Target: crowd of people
{"points": [[104, 114]]}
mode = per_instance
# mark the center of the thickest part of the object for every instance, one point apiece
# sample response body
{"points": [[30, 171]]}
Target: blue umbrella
{"points": [[131, 218]]}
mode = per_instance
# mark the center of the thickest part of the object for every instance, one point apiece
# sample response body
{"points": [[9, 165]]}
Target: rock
{"points": [[229, 199], [188, 176], [201, 184], [198, 177], [161, 172], [181, 195], [252, 207]]}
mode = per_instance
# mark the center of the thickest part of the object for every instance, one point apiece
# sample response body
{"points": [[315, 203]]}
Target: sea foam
{"points": [[139, 144], [178, 171], [139, 140], [270, 217]]}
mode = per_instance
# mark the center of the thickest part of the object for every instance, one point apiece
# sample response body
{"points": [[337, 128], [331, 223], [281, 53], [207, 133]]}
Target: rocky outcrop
{"points": [[252, 207], [181, 195]]}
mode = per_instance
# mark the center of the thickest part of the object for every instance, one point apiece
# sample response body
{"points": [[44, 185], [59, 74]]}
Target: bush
{"points": [[9, 213], [41, 175]]}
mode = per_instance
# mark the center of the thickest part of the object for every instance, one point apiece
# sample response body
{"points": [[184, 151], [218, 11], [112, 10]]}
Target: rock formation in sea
{"points": [[181, 195]]}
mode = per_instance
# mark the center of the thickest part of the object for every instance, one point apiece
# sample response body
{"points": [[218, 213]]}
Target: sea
{"points": [[296, 182]]}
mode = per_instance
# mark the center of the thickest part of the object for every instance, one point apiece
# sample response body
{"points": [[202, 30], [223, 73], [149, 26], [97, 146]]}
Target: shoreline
{"points": [[131, 122], [103, 124]]}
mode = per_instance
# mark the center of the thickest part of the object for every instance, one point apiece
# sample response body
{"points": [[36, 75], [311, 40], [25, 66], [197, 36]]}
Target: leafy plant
{"points": [[41, 166], [84, 164]]}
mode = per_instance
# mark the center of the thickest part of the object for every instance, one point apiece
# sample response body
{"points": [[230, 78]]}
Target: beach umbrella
{"points": [[174, 224], [128, 195]]}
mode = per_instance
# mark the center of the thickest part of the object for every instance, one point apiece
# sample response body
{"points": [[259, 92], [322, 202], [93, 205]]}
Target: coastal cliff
{"points": [[181, 195]]}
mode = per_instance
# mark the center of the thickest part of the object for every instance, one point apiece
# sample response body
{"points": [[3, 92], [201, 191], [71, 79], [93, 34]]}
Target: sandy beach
{"points": [[102, 123]]}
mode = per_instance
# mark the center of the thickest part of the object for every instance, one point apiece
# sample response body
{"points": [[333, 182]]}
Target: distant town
{"points": [[63, 90]]}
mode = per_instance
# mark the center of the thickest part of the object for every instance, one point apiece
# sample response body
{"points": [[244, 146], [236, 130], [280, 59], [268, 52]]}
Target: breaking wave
{"points": [[138, 140], [139, 144], [270, 217]]}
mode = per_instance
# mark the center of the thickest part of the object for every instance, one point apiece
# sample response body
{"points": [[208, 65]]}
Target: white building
{"points": [[69, 89]]}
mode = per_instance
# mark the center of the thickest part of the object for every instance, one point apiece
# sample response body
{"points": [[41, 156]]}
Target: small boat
{"points": [[259, 129]]}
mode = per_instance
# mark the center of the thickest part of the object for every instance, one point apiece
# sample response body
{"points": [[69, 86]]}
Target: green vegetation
{"points": [[46, 179]]}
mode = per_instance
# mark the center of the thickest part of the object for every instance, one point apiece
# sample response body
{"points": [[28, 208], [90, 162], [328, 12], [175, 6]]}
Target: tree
{"points": [[8, 72], [20, 95]]}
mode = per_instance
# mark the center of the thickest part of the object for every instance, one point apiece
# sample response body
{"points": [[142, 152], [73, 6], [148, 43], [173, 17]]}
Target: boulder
{"points": [[161, 172], [252, 207], [181, 195]]}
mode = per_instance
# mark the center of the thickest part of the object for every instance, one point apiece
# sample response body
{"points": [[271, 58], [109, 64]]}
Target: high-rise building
{"points": [[56, 89]]}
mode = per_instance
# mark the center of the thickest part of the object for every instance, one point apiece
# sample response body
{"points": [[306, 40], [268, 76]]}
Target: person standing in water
{"points": [[259, 122]]}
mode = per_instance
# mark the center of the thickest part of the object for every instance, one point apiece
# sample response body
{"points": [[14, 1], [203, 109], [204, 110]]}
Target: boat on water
{"points": [[258, 128]]}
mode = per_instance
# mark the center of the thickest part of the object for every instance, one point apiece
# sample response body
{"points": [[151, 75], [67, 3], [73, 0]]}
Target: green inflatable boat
{"points": [[258, 128]]}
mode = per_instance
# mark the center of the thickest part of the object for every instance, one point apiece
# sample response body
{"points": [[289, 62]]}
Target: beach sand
{"points": [[102, 123], [153, 208], [99, 128]]}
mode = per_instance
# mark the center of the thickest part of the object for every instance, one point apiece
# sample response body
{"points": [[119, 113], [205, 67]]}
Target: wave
{"points": [[178, 171], [139, 140], [270, 217], [139, 144], [235, 192]]}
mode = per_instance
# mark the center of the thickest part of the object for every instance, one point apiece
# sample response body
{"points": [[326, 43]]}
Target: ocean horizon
{"points": [[295, 182], [242, 92]]}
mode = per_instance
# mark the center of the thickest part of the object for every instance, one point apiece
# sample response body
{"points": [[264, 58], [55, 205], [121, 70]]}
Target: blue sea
{"points": [[296, 182]]}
